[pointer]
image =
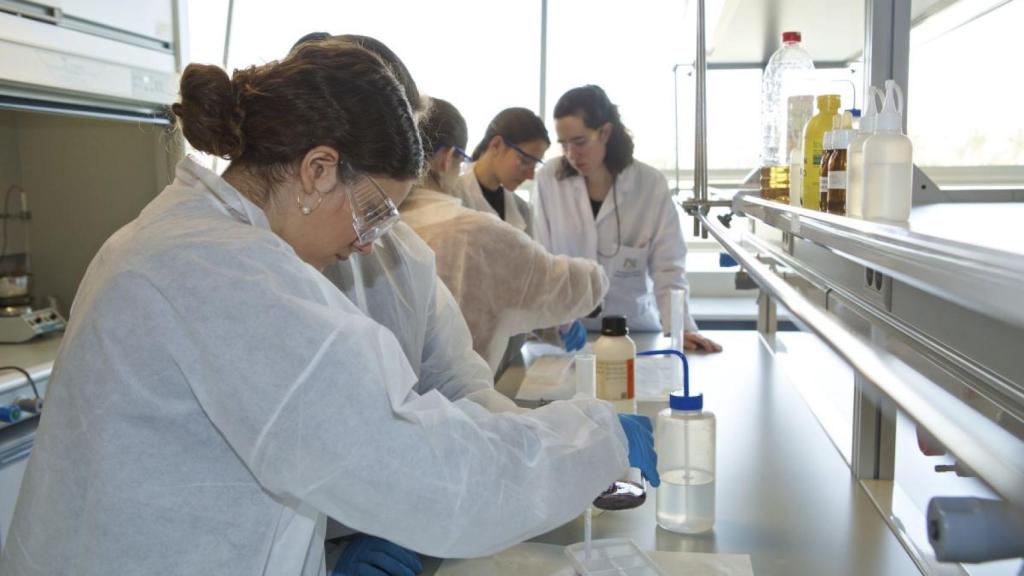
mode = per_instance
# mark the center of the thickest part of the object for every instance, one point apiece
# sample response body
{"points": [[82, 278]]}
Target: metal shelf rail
{"points": [[994, 454], [990, 282]]}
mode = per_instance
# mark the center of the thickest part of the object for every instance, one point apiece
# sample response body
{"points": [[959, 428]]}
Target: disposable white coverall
{"points": [[214, 397], [642, 250], [505, 283], [397, 286]]}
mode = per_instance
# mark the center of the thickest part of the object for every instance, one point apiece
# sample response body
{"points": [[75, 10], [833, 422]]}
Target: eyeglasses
{"points": [[462, 154], [526, 159], [373, 212], [580, 142], [463, 157]]}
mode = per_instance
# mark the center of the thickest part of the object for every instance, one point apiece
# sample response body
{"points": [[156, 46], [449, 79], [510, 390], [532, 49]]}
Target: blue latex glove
{"points": [[640, 434], [574, 337], [368, 555]]}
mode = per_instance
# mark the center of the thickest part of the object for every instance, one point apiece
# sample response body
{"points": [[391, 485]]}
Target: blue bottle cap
{"points": [[678, 400]]}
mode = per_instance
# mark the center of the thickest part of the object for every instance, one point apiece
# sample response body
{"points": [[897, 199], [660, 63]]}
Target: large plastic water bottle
{"points": [[787, 73]]}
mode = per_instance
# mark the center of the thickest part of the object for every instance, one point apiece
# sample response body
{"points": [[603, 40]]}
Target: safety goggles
{"points": [[373, 212], [525, 158]]}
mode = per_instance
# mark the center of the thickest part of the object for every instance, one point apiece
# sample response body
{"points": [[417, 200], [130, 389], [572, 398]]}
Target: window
{"points": [[630, 54], [480, 69], [963, 101]]}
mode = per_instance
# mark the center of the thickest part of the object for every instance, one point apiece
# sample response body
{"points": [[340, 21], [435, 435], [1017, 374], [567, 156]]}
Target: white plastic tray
{"points": [[612, 557]]}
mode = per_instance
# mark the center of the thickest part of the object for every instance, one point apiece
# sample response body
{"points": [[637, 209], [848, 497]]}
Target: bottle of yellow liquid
{"points": [[814, 132]]}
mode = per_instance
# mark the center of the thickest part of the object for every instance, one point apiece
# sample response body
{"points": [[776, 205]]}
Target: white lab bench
{"points": [[784, 494], [35, 357]]}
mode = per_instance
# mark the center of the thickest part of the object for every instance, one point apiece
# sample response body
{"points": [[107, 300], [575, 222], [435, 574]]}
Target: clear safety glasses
{"points": [[373, 212], [526, 159]]}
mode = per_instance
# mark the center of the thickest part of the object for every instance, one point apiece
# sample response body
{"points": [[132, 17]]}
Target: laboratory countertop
{"points": [[784, 494], [35, 357]]}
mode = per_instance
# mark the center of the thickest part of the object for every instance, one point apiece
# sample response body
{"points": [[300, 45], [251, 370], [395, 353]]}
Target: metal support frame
{"points": [[887, 46], [767, 315], [874, 427], [700, 164], [543, 58]]}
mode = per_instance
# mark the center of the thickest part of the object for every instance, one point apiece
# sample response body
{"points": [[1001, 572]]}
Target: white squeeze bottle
{"points": [[855, 157], [685, 443], [888, 163]]}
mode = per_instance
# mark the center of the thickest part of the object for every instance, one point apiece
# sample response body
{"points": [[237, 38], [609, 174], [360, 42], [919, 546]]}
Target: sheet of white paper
{"points": [[535, 559]]}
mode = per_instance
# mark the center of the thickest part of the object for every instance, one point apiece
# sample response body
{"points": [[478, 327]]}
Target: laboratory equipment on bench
{"points": [[21, 323], [685, 443]]}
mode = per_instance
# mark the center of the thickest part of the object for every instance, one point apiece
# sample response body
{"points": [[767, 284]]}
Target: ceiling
{"points": [[747, 32]]}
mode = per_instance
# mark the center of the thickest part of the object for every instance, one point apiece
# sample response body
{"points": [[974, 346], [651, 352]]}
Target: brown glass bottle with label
{"points": [[826, 158]]}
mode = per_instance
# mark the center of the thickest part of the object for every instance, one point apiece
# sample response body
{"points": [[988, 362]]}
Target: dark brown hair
{"points": [[515, 125], [382, 51], [592, 104], [442, 127], [333, 93]]}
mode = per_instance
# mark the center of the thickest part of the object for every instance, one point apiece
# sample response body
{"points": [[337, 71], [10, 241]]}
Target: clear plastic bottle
{"points": [[616, 356], [888, 163], [800, 109], [685, 443], [788, 67], [855, 156]]}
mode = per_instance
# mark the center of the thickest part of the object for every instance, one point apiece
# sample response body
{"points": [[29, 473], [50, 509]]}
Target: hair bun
{"points": [[210, 117]]}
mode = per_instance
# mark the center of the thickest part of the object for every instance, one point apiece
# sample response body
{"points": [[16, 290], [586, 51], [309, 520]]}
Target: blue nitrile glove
{"points": [[368, 555], [574, 337], [640, 434]]}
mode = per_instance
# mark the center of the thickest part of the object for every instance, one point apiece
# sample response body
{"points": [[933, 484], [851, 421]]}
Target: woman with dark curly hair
{"points": [[598, 202]]}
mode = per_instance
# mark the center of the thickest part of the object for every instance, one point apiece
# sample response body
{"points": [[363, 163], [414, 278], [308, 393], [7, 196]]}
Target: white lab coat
{"points": [[517, 210], [505, 282], [214, 397], [651, 253]]}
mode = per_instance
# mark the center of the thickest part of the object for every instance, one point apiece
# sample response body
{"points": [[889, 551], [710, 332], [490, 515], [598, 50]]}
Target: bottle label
{"points": [[837, 180], [615, 380], [823, 183]]}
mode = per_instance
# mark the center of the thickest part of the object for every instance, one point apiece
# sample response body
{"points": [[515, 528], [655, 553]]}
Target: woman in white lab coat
{"points": [[507, 156], [215, 397], [504, 281], [598, 202]]}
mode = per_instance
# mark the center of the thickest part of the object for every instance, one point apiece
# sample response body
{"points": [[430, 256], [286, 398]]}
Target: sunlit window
{"points": [[964, 95]]}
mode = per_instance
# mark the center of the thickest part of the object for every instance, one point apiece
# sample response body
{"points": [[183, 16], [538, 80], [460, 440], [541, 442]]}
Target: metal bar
{"points": [[155, 116], [675, 117], [887, 46], [543, 56], [840, 64], [996, 455], [700, 164], [227, 34]]}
